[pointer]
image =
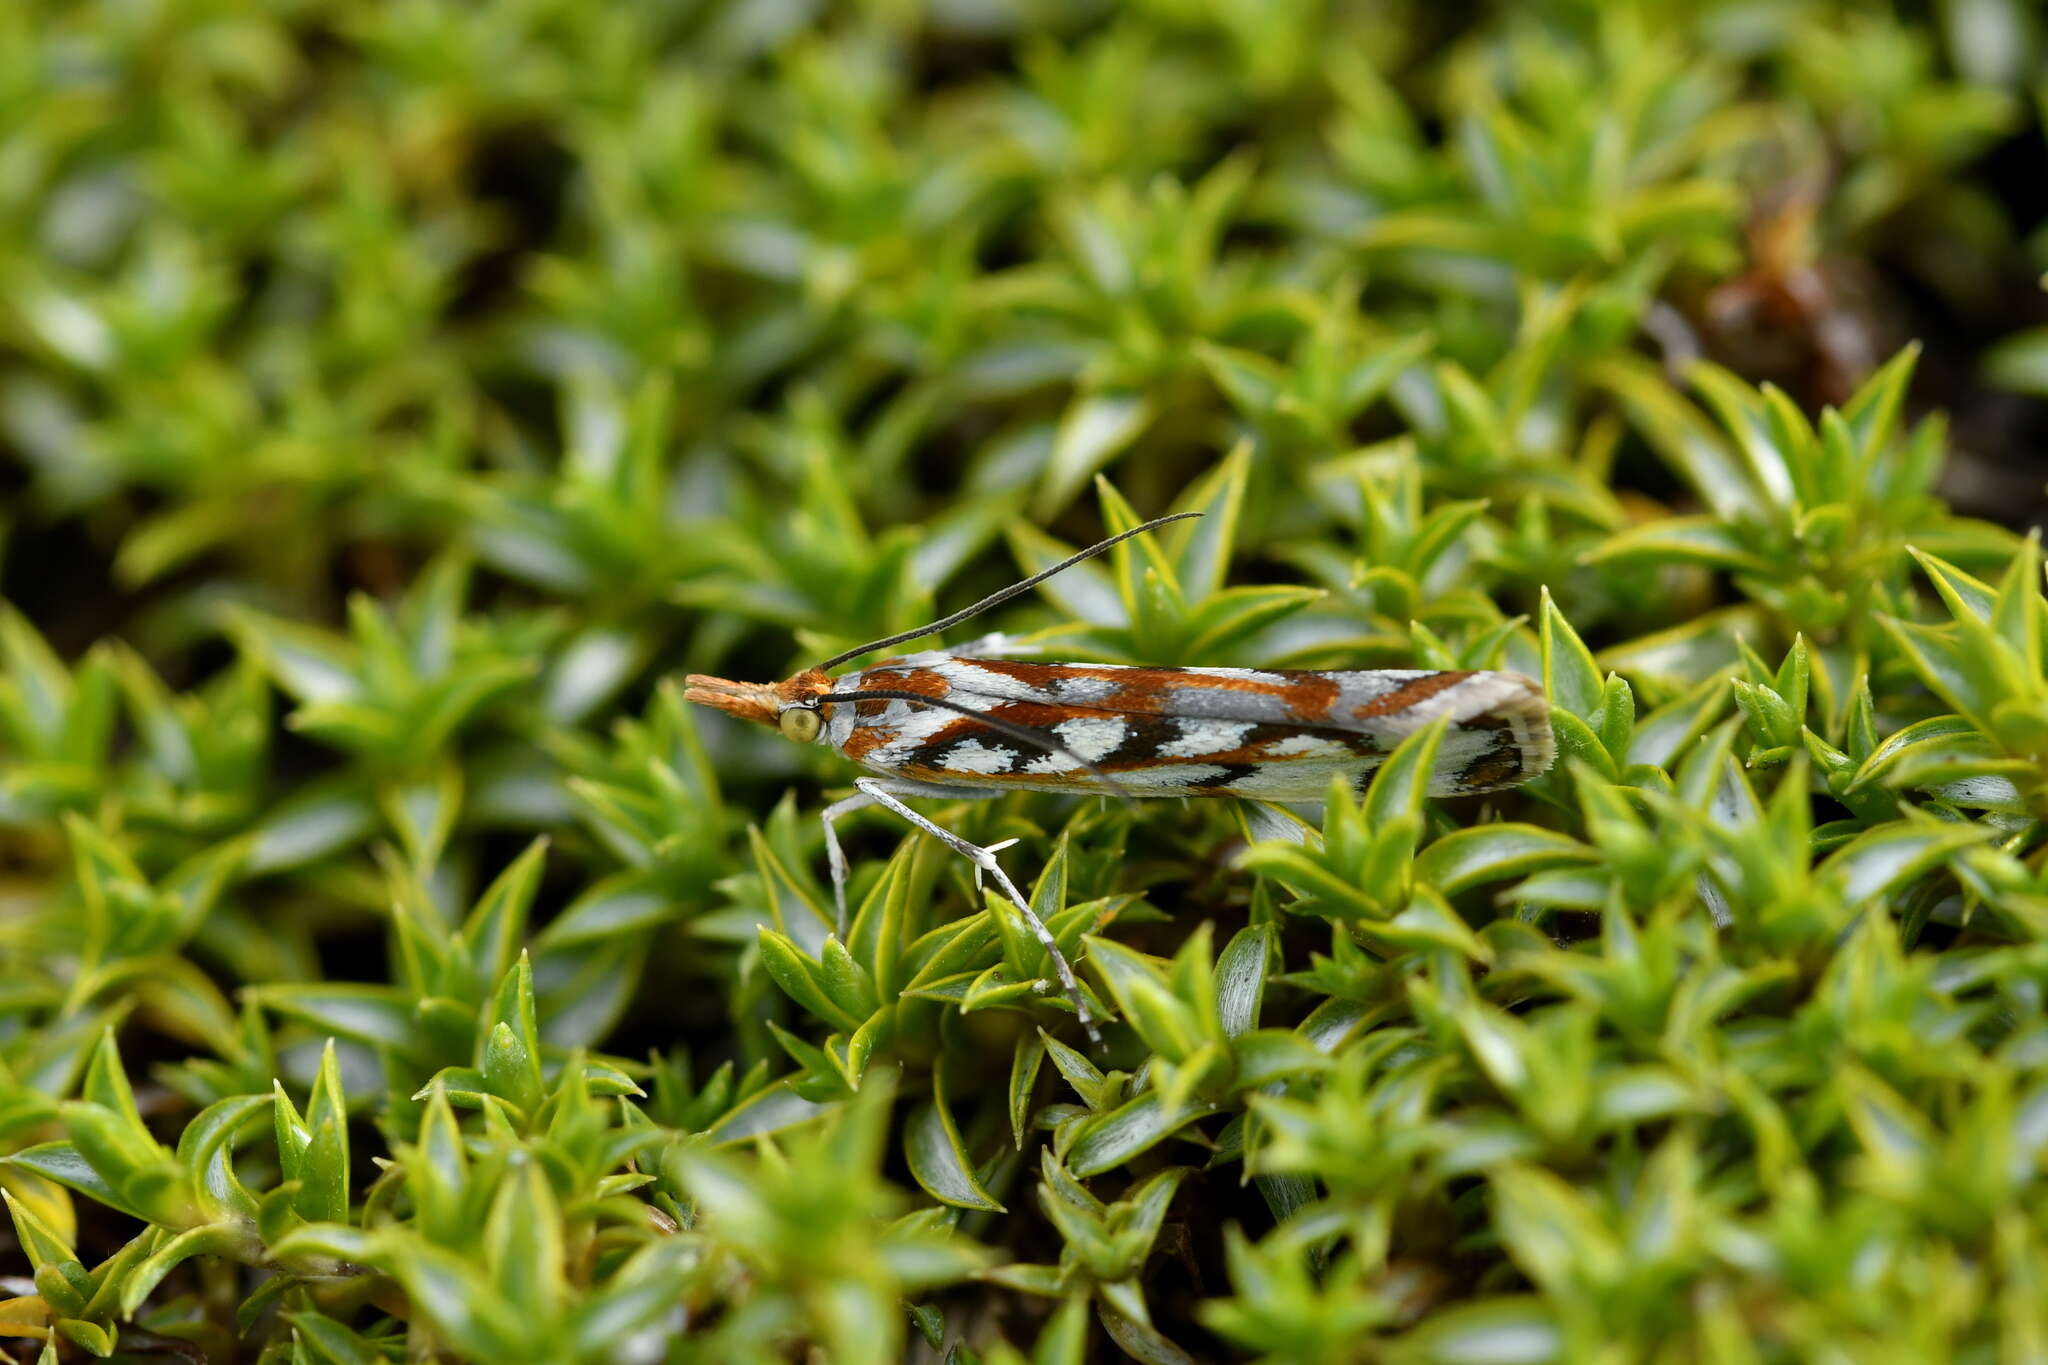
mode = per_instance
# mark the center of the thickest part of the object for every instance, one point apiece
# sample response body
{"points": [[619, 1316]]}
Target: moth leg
{"points": [[835, 857], [884, 792]]}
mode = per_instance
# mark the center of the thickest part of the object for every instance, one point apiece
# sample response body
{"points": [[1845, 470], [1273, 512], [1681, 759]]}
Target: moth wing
{"points": [[1279, 733]]}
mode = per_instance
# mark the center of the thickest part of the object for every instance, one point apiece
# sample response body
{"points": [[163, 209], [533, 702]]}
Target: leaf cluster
{"points": [[396, 399]]}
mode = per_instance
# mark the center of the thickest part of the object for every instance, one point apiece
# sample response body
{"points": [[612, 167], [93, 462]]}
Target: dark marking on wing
{"points": [[1221, 784], [1139, 748], [1496, 766]]}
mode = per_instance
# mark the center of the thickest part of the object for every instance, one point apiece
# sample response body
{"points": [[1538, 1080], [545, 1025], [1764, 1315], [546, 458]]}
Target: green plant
{"points": [[396, 398]]}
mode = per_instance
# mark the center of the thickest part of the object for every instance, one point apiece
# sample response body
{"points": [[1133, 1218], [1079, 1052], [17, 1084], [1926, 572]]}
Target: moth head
{"points": [[790, 706]]}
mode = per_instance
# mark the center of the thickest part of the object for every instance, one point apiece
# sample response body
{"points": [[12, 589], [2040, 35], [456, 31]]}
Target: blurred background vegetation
{"points": [[394, 397]]}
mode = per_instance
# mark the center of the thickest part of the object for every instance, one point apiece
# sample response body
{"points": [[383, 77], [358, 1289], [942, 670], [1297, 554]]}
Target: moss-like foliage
{"points": [[397, 398]]}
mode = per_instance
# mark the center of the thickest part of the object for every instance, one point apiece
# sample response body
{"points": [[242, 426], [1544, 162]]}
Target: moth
{"points": [[967, 724]]}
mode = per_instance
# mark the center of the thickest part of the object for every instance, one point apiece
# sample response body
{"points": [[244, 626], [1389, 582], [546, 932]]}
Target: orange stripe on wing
{"points": [[864, 740], [1306, 693], [1408, 694], [1311, 695]]}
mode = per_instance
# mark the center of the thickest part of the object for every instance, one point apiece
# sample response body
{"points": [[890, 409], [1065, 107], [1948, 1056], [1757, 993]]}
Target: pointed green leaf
{"points": [[938, 1159]]}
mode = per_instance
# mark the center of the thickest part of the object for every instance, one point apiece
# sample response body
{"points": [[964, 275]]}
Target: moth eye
{"points": [[800, 723]]}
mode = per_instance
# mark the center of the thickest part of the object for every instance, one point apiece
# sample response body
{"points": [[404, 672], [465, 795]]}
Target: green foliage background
{"points": [[395, 398]]}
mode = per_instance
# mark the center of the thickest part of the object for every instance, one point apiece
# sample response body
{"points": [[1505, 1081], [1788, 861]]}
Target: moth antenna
{"points": [[996, 599], [1023, 733]]}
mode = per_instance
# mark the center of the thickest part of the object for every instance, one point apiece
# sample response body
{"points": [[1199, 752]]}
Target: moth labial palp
{"points": [[967, 725]]}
